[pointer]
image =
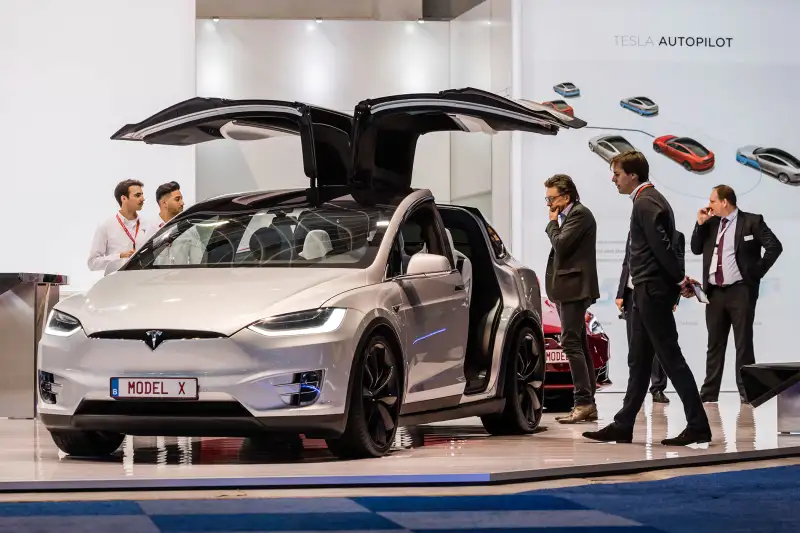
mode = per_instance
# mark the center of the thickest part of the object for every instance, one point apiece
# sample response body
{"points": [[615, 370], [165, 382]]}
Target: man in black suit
{"points": [[657, 272], [731, 280], [571, 282], [624, 301]]}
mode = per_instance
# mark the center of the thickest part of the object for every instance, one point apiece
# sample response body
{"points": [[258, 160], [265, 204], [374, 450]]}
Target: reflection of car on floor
{"points": [[558, 386], [609, 146], [561, 105], [688, 152], [772, 161], [567, 89], [640, 104], [337, 312]]}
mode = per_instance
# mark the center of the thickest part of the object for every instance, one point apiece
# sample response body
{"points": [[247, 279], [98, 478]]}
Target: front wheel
{"points": [[86, 443], [783, 178], [687, 166], [524, 388], [374, 404]]}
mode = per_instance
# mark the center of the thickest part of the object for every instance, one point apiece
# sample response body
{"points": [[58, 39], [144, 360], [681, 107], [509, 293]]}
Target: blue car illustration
{"points": [[567, 89], [640, 104], [771, 161]]}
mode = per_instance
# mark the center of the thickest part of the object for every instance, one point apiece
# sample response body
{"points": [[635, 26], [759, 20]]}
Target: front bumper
{"points": [[248, 383]]}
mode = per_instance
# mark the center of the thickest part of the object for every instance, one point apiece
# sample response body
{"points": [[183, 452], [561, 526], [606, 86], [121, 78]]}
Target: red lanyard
{"points": [[128, 233], [643, 187]]}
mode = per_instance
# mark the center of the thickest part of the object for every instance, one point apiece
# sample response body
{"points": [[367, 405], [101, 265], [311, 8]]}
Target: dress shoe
{"points": [[660, 397], [688, 436], [580, 413], [611, 433]]}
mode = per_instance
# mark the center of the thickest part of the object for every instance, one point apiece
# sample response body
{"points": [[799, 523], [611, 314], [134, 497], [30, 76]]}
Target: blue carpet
{"points": [[751, 501]]}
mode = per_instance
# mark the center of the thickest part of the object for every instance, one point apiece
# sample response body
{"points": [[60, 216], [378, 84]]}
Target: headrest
{"points": [[266, 242], [316, 245]]}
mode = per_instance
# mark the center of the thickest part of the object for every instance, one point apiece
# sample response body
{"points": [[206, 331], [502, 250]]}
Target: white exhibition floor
{"points": [[458, 452]]}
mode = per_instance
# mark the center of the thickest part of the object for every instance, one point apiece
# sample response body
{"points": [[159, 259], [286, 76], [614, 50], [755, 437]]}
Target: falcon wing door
{"points": [[324, 134], [386, 130]]}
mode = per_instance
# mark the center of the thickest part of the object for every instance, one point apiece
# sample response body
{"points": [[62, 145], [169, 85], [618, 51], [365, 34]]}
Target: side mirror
{"points": [[425, 263]]}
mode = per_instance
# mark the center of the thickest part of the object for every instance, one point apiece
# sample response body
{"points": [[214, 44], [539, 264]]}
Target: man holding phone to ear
{"points": [[731, 242]]}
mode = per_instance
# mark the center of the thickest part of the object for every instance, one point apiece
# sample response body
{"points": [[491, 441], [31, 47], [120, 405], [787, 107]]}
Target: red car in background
{"points": [[689, 153], [562, 106], [558, 386]]}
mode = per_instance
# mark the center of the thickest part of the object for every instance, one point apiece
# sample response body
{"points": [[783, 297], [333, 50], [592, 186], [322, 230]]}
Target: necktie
{"points": [[719, 279]]}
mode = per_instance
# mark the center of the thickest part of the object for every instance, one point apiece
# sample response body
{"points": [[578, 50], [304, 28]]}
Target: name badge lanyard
{"points": [[128, 233], [647, 186]]}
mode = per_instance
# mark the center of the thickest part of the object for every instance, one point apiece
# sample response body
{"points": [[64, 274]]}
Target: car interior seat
{"points": [[463, 264], [266, 244], [316, 245]]}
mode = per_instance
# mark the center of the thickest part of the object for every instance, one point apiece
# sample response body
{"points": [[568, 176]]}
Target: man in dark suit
{"points": [[657, 273], [731, 242], [571, 282], [624, 301]]}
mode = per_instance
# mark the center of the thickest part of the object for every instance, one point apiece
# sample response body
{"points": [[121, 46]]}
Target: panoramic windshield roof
{"points": [[334, 235]]}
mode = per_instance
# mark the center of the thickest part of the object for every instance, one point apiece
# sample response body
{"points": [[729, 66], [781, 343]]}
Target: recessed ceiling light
{"points": [[215, 19], [319, 21], [421, 21]]}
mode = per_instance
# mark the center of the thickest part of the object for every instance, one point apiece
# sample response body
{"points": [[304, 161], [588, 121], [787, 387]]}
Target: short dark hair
{"points": [[165, 189], [726, 192], [123, 188], [564, 185], [633, 162]]}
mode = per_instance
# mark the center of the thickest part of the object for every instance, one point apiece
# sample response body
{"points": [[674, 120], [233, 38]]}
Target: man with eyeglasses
{"points": [[571, 283]]}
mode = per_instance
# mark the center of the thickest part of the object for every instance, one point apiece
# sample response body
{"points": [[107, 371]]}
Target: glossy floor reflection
{"points": [[27, 454]]}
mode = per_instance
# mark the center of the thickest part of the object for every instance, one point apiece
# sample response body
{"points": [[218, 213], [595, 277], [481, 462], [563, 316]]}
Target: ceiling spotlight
{"points": [[421, 21], [319, 21], [215, 19]]}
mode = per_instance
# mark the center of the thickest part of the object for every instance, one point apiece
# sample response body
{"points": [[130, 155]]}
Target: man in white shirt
{"points": [[187, 248], [119, 237]]}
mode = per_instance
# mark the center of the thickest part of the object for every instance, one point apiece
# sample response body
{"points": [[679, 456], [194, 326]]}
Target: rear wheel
{"points": [[86, 443], [687, 166], [783, 178], [374, 404], [524, 388], [656, 148]]}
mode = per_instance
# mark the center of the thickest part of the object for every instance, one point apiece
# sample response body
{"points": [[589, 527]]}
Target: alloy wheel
{"points": [[380, 387], [530, 379]]}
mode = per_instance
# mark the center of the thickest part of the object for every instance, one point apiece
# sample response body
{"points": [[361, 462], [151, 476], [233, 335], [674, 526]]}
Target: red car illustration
{"points": [[689, 153], [562, 106], [558, 385]]}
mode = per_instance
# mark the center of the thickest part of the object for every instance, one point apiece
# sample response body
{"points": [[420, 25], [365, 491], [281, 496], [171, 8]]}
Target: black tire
{"points": [[656, 148], [783, 178], [524, 387], [687, 166], [86, 443], [374, 404]]}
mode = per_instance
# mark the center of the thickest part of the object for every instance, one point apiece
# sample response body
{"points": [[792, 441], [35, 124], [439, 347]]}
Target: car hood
{"points": [[221, 300]]}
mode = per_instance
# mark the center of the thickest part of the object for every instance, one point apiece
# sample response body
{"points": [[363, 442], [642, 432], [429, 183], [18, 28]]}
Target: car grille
{"points": [[178, 409], [165, 335]]}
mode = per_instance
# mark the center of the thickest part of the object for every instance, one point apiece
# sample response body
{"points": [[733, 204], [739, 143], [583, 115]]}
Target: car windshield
{"points": [[333, 235]]}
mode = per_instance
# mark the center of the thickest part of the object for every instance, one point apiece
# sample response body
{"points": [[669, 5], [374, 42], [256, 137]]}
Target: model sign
{"points": [[772, 161], [688, 152]]}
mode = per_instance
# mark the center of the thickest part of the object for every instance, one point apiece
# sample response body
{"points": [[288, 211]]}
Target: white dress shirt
{"points": [[730, 270], [110, 240], [186, 249], [563, 214]]}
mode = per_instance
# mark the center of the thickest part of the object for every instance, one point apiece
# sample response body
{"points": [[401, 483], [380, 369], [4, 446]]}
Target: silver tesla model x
{"points": [[340, 311]]}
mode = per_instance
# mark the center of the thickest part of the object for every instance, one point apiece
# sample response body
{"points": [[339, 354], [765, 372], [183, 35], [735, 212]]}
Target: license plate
{"points": [[154, 388], [555, 356]]}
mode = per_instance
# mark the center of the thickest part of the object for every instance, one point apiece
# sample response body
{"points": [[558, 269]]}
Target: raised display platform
{"points": [[458, 453]]}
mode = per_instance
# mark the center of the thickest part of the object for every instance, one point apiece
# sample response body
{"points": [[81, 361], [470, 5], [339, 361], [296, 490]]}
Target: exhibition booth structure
{"points": [[386, 337]]}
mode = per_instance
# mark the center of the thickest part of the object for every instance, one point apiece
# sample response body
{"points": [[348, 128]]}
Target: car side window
{"points": [[420, 232], [498, 248]]}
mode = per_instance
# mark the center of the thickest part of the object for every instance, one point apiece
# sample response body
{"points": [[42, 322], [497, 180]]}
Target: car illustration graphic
{"points": [[558, 387], [688, 152], [340, 311], [640, 104], [609, 146], [773, 161], [567, 89], [562, 106]]}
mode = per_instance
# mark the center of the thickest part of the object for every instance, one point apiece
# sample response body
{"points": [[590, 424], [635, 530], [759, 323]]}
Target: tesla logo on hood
{"points": [[153, 338]]}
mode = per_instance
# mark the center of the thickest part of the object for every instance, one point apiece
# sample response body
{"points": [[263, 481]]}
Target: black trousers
{"points": [[734, 305], [658, 378], [576, 347], [654, 334]]}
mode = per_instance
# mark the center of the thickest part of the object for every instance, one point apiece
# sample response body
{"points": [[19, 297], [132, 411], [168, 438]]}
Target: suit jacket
{"points": [[680, 245], [572, 265], [749, 259]]}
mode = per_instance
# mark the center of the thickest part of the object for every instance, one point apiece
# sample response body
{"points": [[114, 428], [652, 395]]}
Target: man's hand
{"points": [[687, 287], [553, 214], [703, 215], [125, 255], [619, 302]]}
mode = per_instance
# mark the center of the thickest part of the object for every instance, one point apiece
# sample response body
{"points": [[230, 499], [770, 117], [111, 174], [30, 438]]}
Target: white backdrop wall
{"points": [[740, 91], [72, 74], [334, 64]]}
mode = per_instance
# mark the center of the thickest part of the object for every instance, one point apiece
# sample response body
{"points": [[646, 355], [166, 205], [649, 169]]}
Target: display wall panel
{"points": [[333, 64], [71, 74], [723, 73]]}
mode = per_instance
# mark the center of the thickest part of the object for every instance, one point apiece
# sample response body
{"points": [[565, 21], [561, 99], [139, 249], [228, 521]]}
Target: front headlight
{"points": [[61, 324], [323, 320], [595, 327]]}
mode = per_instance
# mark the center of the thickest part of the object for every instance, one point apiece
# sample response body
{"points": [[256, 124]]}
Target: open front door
{"points": [[386, 130], [324, 134]]}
